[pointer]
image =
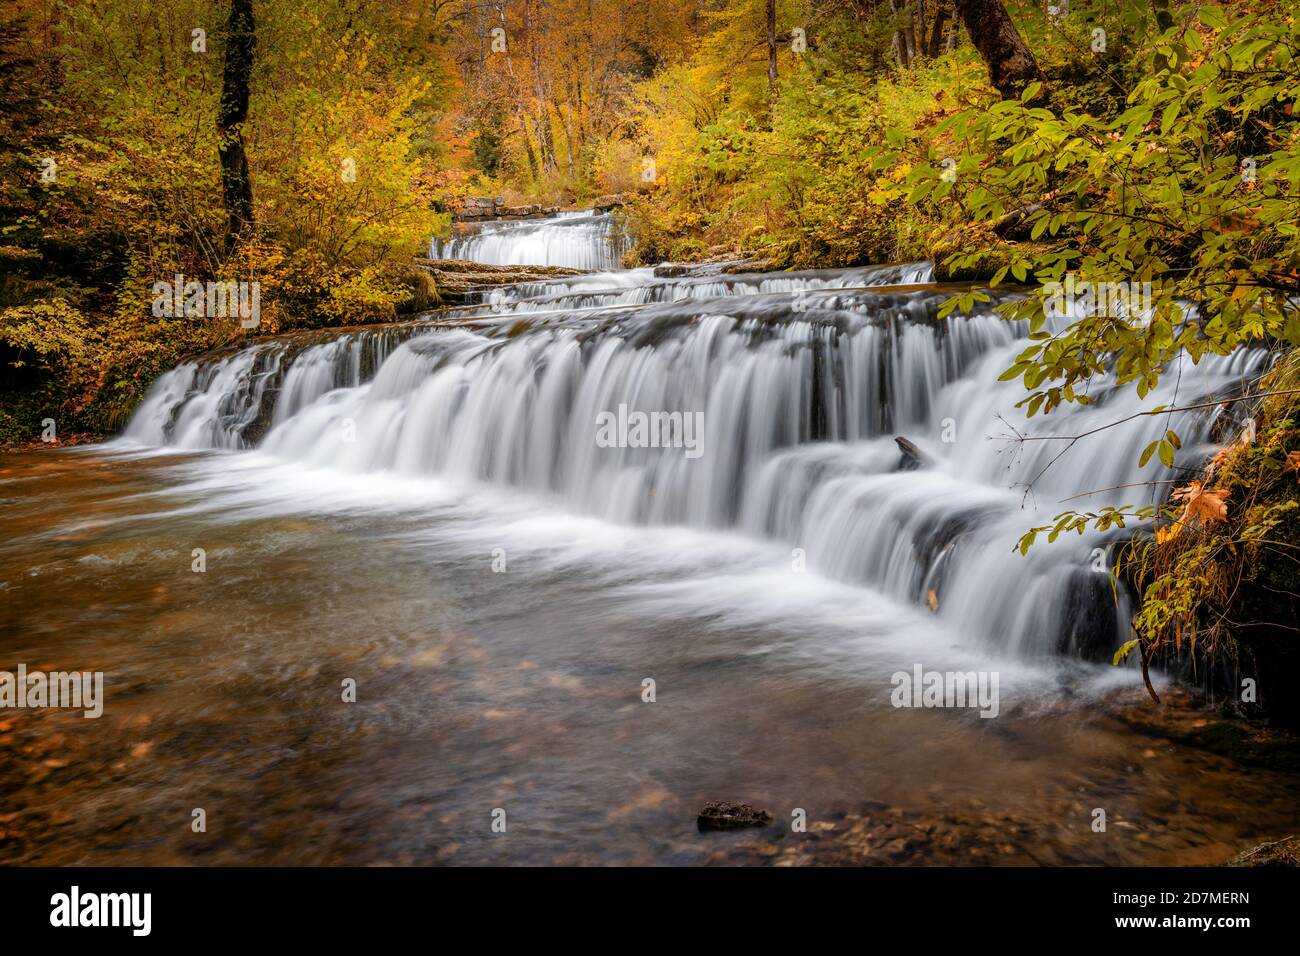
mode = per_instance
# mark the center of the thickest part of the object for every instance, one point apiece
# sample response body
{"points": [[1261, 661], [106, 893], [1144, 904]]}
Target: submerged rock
{"points": [[719, 815], [1285, 852]]}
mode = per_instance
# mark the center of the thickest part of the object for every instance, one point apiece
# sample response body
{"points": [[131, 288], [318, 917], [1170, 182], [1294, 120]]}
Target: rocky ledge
{"points": [[481, 208], [454, 279]]}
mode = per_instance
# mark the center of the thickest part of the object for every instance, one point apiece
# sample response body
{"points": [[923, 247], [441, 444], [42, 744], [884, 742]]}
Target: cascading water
{"points": [[578, 240], [802, 380]]}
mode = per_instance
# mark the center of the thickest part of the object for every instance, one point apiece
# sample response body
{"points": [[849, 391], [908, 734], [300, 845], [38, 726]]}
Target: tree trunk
{"points": [[934, 44], [902, 49], [545, 142], [771, 45], [909, 34], [566, 124], [528, 149], [1011, 65], [232, 113]]}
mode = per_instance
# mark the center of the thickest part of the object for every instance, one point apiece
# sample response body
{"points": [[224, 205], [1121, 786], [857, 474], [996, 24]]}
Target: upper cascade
{"points": [[577, 240]]}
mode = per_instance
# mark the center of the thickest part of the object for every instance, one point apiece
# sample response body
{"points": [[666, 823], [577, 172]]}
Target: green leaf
{"points": [[1169, 114], [1123, 652], [1212, 17]]}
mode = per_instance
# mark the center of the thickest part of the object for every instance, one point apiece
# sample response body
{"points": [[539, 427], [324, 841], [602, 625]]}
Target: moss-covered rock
{"points": [[422, 291], [1221, 594], [952, 255]]}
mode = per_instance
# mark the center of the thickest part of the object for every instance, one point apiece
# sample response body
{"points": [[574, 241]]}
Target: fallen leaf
{"points": [[932, 600], [1293, 463], [1198, 502]]}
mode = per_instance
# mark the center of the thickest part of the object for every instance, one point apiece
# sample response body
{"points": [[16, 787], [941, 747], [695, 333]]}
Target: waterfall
{"points": [[579, 240], [801, 381]]}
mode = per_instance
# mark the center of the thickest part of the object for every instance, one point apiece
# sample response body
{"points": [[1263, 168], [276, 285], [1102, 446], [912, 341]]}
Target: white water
{"points": [[803, 381], [578, 240]]}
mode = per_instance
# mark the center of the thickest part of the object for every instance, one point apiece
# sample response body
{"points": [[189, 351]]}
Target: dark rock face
{"points": [[719, 815]]}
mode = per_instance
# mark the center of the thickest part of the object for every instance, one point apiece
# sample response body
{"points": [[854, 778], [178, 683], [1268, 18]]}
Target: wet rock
{"points": [[913, 457], [1285, 852], [726, 264], [454, 279], [672, 270], [719, 815]]}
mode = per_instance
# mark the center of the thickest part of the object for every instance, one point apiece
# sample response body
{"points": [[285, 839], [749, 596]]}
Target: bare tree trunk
{"points": [[771, 45], [1011, 66], [902, 49], [566, 124], [528, 149], [545, 142], [232, 113], [909, 33], [935, 41]]}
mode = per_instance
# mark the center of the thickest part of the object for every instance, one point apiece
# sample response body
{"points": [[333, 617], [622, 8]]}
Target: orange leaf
{"points": [[1208, 506]]}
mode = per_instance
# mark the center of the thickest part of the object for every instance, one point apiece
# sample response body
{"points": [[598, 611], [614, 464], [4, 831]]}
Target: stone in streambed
{"points": [[1280, 853], [913, 457], [719, 815]]}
